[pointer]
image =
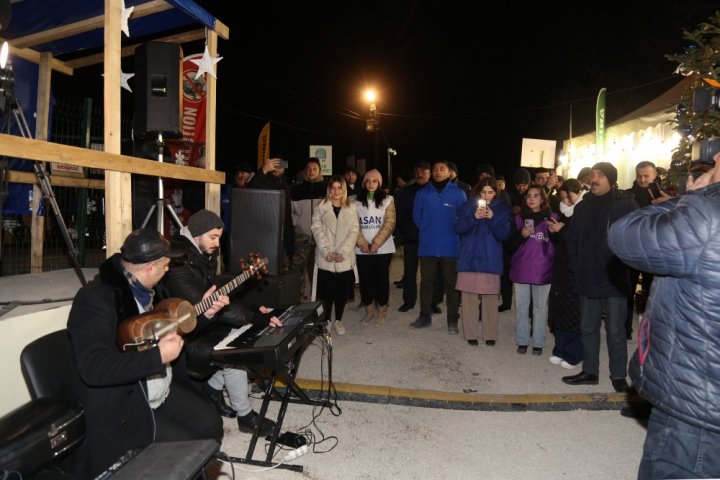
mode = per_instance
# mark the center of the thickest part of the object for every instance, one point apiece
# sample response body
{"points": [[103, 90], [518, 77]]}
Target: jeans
{"points": [[539, 295], [675, 449]]}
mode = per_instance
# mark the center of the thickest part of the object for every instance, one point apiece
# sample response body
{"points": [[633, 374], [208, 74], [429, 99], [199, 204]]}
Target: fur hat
{"points": [[607, 169], [374, 173], [202, 222], [521, 176]]}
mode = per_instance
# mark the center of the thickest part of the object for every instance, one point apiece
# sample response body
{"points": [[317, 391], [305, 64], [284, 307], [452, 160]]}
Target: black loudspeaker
{"points": [[257, 219], [157, 89], [272, 291]]}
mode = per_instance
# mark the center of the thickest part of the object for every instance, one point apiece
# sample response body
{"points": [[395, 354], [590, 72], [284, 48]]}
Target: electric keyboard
{"points": [[269, 347]]}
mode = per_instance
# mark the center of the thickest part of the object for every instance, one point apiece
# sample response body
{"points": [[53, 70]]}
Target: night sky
{"points": [[464, 81]]}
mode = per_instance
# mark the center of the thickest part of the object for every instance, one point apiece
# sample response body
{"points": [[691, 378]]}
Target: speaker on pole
{"points": [[258, 218], [157, 89]]}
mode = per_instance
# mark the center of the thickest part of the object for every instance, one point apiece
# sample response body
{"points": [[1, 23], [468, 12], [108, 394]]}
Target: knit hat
{"points": [[422, 164], [521, 176], [373, 174], [608, 170], [485, 168], [202, 222]]}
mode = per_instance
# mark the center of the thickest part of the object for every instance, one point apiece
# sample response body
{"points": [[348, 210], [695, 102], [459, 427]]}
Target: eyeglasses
{"points": [[533, 195]]}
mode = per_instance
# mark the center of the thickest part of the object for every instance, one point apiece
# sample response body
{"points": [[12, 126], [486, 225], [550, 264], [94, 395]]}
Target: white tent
{"points": [[645, 134]]}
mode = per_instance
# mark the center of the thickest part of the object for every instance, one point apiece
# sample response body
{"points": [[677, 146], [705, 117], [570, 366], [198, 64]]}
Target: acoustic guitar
{"points": [[143, 331]]}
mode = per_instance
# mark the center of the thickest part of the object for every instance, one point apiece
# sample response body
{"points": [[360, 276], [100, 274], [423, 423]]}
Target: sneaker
{"points": [[490, 343], [522, 349], [339, 329], [453, 329], [473, 342], [569, 366], [555, 360], [537, 351], [420, 323]]}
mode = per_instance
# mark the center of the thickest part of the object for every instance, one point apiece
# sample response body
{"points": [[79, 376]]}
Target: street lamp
{"points": [[372, 124], [391, 152]]}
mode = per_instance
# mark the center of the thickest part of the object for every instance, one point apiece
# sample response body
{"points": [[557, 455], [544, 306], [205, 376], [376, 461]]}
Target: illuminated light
{"points": [[4, 52]]}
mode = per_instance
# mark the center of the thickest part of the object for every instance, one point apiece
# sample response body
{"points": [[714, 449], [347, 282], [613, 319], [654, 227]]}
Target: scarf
{"points": [[568, 210], [142, 294]]}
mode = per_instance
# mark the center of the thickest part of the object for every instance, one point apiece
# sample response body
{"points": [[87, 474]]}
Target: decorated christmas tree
{"points": [[698, 114]]}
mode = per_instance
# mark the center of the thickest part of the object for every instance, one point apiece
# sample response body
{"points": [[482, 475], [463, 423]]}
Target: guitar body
{"points": [[141, 332]]}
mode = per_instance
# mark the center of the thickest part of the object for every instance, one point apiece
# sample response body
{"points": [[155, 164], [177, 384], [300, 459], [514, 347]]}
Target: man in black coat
{"points": [[131, 398], [603, 282], [201, 239]]}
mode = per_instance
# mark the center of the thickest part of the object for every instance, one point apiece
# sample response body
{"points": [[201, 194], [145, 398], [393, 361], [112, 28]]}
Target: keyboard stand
{"points": [[285, 374]]}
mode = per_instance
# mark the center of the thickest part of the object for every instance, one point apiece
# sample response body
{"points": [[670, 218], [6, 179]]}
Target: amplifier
{"points": [[167, 460]]}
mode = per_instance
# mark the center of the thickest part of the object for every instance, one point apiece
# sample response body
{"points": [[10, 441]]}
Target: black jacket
{"points": [[112, 384]]}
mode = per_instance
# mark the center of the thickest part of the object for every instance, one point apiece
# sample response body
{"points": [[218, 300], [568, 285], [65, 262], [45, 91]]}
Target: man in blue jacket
{"points": [[434, 213], [677, 364]]}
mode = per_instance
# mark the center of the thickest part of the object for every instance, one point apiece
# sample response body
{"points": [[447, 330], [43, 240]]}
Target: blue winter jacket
{"points": [[481, 241], [434, 214], [677, 363]]}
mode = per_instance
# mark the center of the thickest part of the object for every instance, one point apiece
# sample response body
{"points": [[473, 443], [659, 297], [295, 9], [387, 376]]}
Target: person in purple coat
{"points": [[531, 268]]}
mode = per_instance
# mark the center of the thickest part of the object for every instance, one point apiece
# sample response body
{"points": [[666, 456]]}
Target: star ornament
{"points": [[124, 16], [124, 77], [206, 64]]}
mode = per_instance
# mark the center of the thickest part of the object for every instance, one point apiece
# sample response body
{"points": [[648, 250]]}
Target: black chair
{"points": [[37, 438], [48, 367]]}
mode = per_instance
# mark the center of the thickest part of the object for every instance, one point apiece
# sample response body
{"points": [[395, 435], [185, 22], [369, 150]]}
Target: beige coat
{"points": [[337, 235]]}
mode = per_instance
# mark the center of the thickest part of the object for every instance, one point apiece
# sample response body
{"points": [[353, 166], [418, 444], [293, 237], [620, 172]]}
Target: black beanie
{"points": [[608, 170], [202, 222], [521, 176]]}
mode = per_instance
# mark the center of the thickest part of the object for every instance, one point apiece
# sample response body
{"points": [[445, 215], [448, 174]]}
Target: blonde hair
{"points": [[339, 179]]}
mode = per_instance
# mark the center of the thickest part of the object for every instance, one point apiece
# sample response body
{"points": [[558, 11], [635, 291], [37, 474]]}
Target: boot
{"points": [[369, 313], [381, 312], [452, 322], [218, 399], [339, 329]]}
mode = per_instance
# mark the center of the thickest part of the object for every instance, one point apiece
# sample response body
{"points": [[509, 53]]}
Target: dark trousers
{"points": [[506, 286], [186, 415], [334, 288], [430, 267], [374, 273], [410, 269], [591, 310], [568, 346]]}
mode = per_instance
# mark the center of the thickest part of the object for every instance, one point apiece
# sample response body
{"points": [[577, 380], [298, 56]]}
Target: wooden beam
{"points": [[34, 57], [31, 149], [180, 38], [212, 192], [16, 176], [69, 30]]}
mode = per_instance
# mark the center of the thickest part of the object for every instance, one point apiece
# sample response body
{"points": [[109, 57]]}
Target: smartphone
{"points": [[529, 223], [655, 189], [482, 203], [282, 164]]}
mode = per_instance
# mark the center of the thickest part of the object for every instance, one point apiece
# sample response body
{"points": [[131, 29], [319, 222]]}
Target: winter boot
{"points": [[381, 312], [369, 313]]}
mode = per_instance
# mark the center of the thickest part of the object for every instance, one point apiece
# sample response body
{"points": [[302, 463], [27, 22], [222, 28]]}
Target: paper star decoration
{"points": [[124, 80], [206, 64], [124, 16]]}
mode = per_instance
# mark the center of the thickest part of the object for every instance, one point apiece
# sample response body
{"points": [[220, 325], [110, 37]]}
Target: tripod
{"points": [[46, 188], [161, 203]]}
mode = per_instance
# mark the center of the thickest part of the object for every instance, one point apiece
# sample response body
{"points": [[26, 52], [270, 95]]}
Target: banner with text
{"points": [[263, 145], [600, 127], [324, 154]]}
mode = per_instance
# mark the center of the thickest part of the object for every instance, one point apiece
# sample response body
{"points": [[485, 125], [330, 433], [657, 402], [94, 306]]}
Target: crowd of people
{"points": [[569, 254]]}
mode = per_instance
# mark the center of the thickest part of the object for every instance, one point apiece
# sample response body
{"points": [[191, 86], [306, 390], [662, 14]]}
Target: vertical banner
{"points": [[190, 148], [263, 145], [600, 127], [324, 154]]}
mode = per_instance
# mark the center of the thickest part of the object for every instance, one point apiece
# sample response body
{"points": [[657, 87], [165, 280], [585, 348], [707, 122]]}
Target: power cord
{"points": [[235, 462]]}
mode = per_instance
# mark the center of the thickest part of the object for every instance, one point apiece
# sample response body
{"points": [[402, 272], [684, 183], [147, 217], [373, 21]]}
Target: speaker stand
{"points": [[161, 203]]}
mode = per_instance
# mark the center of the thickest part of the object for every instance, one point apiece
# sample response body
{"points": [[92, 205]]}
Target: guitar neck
{"points": [[226, 289]]}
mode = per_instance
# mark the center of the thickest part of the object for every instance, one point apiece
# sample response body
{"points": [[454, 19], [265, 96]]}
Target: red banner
{"points": [[191, 147]]}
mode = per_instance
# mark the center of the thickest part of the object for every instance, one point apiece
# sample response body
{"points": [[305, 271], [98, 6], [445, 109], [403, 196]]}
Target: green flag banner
{"points": [[600, 127]]}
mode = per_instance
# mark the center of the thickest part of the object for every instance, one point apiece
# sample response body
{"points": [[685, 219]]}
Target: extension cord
{"points": [[298, 452]]}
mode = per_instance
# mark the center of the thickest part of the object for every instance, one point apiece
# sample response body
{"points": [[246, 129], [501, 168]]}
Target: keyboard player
{"points": [[189, 281]]}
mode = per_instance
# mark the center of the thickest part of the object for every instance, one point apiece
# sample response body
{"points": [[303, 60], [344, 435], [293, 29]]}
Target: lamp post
{"points": [[391, 152], [372, 124]]}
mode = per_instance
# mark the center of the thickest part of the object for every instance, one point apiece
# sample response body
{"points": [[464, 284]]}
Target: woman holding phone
{"points": [[531, 268], [483, 223]]}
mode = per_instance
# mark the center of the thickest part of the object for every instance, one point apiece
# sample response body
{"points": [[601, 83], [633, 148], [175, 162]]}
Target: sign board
{"points": [[324, 154], [538, 153]]}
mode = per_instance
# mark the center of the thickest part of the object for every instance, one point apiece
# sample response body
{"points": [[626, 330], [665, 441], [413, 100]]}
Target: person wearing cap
{"points": [[201, 239], [132, 398], [375, 246], [603, 280]]}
